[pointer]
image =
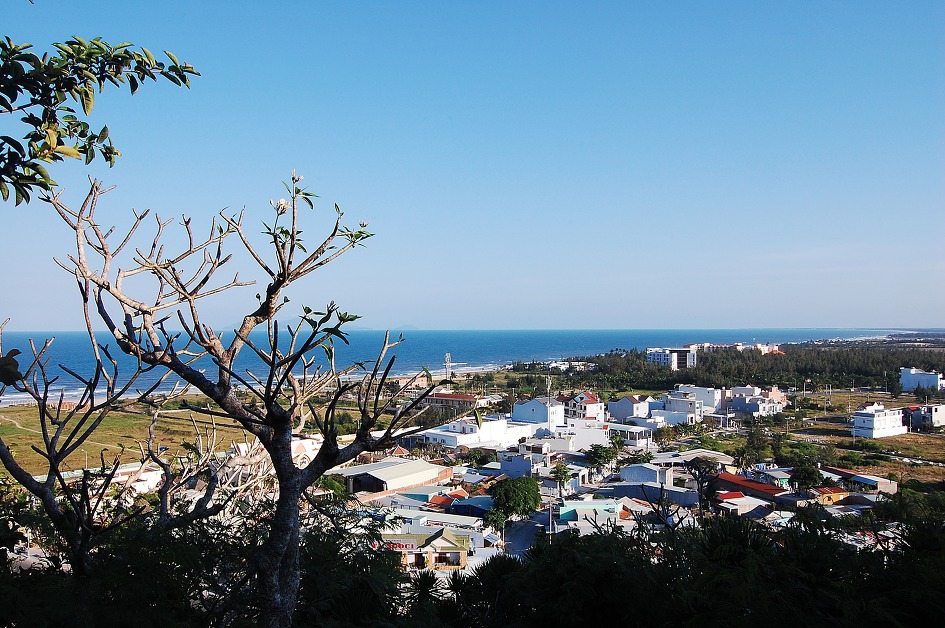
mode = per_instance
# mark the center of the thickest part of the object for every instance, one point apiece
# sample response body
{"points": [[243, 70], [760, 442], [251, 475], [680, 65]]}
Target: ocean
{"points": [[469, 349]]}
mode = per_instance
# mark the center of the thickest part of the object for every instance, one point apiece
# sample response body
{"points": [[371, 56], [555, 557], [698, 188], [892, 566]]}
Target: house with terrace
{"points": [[439, 549], [583, 406], [875, 421]]}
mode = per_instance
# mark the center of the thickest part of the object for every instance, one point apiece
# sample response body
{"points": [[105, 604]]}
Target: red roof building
{"points": [[731, 482]]}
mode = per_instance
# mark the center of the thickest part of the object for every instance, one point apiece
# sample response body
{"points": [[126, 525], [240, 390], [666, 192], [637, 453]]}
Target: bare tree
{"points": [[294, 388], [85, 506]]}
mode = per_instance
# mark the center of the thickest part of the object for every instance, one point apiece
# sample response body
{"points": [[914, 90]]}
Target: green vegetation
{"points": [[839, 366], [184, 578], [560, 474], [479, 457], [601, 456], [516, 496], [119, 430], [45, 88]]}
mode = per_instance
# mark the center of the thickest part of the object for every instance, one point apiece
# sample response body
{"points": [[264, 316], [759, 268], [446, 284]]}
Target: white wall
{"points": [[711, 398], [910, 378], [877, 422]]}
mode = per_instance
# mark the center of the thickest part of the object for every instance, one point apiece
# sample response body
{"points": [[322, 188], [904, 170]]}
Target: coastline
{"points": [[486, 351]]}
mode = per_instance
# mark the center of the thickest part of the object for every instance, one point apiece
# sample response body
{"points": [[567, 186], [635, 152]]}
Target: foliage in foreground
{"points": [[45, 88], [731, 572]]}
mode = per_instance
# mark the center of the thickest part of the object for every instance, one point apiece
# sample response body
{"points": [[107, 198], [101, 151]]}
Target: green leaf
{"points": [[87, 97], [4, 191], [68, 151], [170, 55], [103, 134], [42, 172]]}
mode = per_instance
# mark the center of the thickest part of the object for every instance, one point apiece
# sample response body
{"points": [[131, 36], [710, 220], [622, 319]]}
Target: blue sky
{"points": [[536, 164]]}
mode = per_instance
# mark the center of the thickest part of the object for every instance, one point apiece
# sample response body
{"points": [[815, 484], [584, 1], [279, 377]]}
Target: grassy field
{"points": [[20, 428], [913, 445]]}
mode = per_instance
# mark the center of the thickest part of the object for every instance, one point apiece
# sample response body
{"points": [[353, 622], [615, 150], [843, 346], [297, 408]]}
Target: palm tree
{"points": [[560, 473]]}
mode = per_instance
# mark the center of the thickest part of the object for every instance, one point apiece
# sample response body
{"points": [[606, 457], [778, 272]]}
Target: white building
{"points": [[746, 391], [762, 348], [911, 378], [579, 435], [532, 455], [468, 432], [676, 401], [632, 435], [658, 418], [549, 413], [572, 366], [632, 407], [711, 398], [680, 458], [455, 401], [929, 416], [646, 472], [583, 406], [758, 406], [875, 421], [674, 358]]}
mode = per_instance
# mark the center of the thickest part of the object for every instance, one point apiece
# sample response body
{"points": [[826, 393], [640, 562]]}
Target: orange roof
{"points": [[759, 487], [441, 500], [829, 490]]}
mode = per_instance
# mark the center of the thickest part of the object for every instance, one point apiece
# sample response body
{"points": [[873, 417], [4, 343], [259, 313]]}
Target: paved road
{"points": [[519, 535]]}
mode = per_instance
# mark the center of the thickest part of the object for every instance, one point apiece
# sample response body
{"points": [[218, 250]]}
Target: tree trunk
{"points": [[277, 560]]}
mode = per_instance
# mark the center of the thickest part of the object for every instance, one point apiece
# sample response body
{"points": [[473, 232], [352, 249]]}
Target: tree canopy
{"points": [[835, 364], [516, 496], [560, 474], [600, 456], [45, 90], [806, 476]]}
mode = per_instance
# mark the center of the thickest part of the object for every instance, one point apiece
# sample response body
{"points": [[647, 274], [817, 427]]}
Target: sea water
{"points": [[419, 349]]}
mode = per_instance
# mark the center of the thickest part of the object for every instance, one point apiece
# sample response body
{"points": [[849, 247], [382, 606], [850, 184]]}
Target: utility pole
{"points": [[550, 522], [551, 429]]}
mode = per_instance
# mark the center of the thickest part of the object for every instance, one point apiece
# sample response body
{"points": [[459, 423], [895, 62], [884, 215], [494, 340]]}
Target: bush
{"points": [[852, 459]]}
